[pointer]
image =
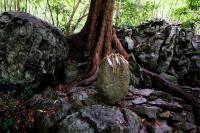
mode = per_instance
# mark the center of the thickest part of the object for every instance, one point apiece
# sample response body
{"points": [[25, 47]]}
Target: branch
{"points": [[50, 12], [79, 20], [71, 17], [117, 44]]}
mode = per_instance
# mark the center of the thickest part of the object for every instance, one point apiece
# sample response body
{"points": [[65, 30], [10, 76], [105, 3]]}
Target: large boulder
{"points": [[30, 49]]}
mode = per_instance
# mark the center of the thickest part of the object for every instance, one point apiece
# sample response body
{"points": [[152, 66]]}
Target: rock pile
{"points": [[166, 48], [80, 110]]}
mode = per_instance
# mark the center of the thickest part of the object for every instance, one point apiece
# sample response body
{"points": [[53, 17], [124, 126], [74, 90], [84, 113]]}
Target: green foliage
{"points": [[196, 52], [4, 81], [193, 4], [27, 93], [57, 12], [10, 105], [187, 24], [65, 15], [7, 124], [133, 13], [188, 13]]}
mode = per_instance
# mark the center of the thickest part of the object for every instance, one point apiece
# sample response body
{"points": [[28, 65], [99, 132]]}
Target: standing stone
{"points": [[113, 78]]}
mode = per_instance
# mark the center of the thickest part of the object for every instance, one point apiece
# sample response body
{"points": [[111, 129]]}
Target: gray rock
{"points": [[133, 120], [183, 116], [146, 82], [166, 114], [139, 100], [126, 103], [136, 71], [164, 95], [34, 101], [74, 124], [185, 126], [147, 111], [148, 58], [48, 108], [50, 115], [43, 122], [103, 117], [165, 104], [149, 127], [195, 89], [81, 93], [71, 71], [135, 67], [30, 49], [169, 49], [166, 51], [113, 78], [111, 119], [142, 92], [163, 128]]}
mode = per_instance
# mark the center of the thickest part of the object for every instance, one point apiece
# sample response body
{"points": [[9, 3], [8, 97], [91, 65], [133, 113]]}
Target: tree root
{"points": [[165, 85], [117, 44], [162, 83], [99, 37]]}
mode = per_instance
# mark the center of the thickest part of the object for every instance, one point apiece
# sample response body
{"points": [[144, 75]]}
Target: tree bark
{"points": [[118, 6], [97, 39]]}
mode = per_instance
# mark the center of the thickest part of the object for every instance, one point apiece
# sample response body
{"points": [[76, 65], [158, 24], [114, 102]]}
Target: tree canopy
{"points": [[70, 15]]}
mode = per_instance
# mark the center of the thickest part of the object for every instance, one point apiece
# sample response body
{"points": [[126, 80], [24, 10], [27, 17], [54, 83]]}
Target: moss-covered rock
{"points": [[31, 50], [113, 78]]}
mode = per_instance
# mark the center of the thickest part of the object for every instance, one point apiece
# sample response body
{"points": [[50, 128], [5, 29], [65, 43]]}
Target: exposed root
{"points": [[100, 36], [117, 44], [162, 83], [95, 62]]}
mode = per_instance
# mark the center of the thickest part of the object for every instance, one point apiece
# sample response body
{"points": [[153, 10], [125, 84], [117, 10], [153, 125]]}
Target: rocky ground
{"points": [[121, 100]]}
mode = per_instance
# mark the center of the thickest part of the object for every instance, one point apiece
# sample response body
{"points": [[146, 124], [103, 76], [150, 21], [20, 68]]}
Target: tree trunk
{"points": [[5, 3], [118, 6], [18, 5], [97, 39]]}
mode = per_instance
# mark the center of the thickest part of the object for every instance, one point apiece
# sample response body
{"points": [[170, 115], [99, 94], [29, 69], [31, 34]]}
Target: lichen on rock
{"points": [[113, 78], [30, 49]]}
